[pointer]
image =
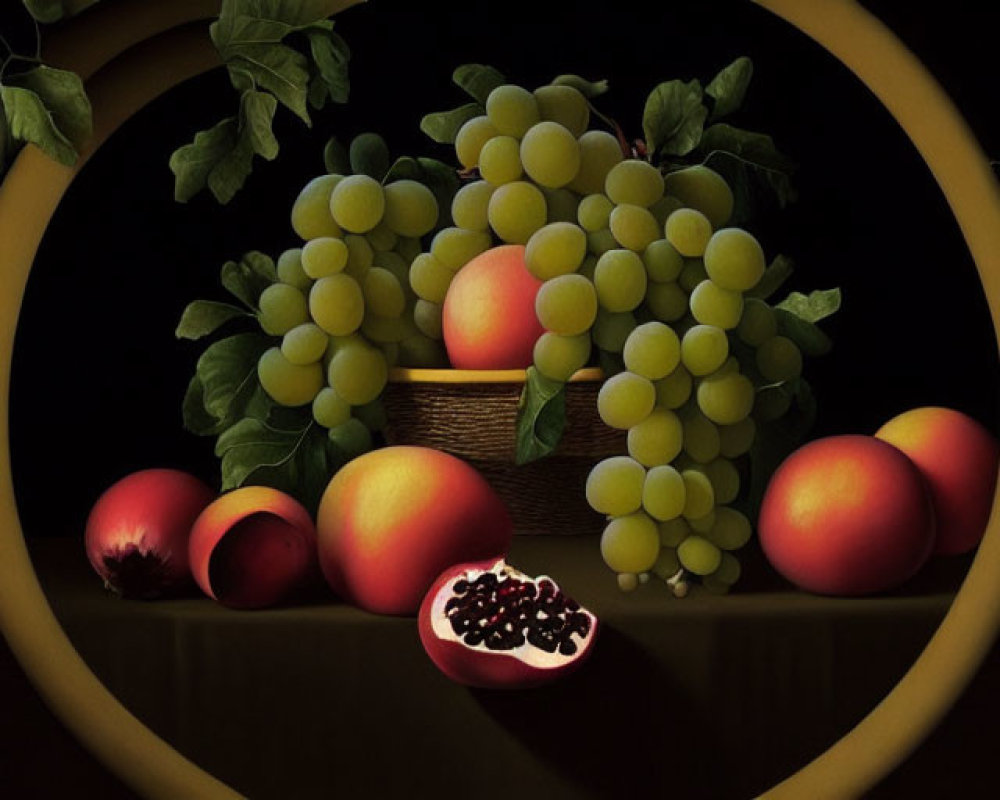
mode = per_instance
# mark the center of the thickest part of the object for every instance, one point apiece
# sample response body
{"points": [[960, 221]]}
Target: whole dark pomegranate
{"points": [[488, 625]]}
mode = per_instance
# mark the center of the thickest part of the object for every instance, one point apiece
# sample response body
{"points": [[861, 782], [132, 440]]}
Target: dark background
{"points": [[98, 376]]}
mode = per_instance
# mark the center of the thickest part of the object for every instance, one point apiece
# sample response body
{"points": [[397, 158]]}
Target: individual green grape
{"points": [[500, 160], [620, 280], [516, 211], [633, 227], [702, 188], [652, 350], [628, 581], [357, 203], [599, 152], [470, 204], [455, 247], [771, 403], [688, 231], [676, 530], [289, 269], [735, 440], [667, 564], [779, 359], [470, 139], [630, 543], [398, 266], [657, 439], [663, 262], [282, 307], [587, 267], [558, 357], [555, 249], [614, 486], [565, 105], [304, 344], [550, 154], [383, 293], [674, 390], [704, 348], [703, 524], [311, 215], [429, 278], [561, 204], [725, 398], [337, 304], [594, 212], [421, 351], [408, 248], [725, 479], [427, 317], [668, 302], [712, 305], [625, 400], [663, 493], [610, 329], [634, 182], [734, 259], [351, 437], [358, 372], [731, 530], [698, 555], [566, 304], [600, 242], [410, 208], [664, 207], [512, 110], [372, 414], [323, 256], [335, 343], [382, 238], [701, 437], [692, 274], [385, 330], [286, 383], [360, 255], [758, 323], [329, 409], [728, 572]]}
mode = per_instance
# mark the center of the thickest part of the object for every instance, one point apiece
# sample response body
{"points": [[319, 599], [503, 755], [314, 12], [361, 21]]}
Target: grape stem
{"points": [[619, 133], [678, 583]]}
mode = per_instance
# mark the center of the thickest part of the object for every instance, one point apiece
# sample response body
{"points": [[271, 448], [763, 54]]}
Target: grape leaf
{"points": [[227, 371], [810, 339], [193, 163], [369, 155], [589, 89], [202, 317], [256, 117], [777, 272], [248, 277], [335, 157], [541, 417], [45, 11], [478, 80], [31, 122], [196, 418], [442, 126], [673, 118], [813, 307], [729, 87], [277, 68], [331, 55]]}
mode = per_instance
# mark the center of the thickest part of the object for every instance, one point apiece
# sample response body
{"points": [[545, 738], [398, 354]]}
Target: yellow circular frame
{"points": [[121, 78]]}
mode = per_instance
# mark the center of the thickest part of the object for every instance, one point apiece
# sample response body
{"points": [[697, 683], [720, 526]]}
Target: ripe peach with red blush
{"points": [[489, 319]]}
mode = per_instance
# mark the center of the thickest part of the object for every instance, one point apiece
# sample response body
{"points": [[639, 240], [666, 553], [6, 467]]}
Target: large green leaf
{"points": [[673, 118], [247, 278], [193, 163], [227, 371], [817, 305], [277, 68], [729, 87], [810, 339], [589, 89], [202, 317], [331, 55], [443, 126], [541, 417], [478, 80], [30, 121]]}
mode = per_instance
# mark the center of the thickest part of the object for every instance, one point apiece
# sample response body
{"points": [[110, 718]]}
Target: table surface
{"points": [[706, 696]]}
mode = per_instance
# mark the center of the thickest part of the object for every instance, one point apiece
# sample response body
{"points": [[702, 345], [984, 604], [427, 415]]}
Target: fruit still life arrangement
{"points": [[555, 250]]}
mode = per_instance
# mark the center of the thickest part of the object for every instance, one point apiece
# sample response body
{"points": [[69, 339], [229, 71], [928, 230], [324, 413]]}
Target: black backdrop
{"points": [[98, 375]]}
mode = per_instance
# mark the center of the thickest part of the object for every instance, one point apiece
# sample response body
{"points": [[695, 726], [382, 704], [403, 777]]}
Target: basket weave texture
{"points": [[476, 422]]}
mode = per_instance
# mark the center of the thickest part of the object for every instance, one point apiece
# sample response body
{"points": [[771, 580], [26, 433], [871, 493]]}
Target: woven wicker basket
{"points": [[472, 414]]}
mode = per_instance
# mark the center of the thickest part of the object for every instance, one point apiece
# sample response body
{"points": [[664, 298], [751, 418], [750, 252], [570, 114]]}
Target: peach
{"points": [[958, 458], [489, 318], [391, 521], [846, 515], [253, 547]]}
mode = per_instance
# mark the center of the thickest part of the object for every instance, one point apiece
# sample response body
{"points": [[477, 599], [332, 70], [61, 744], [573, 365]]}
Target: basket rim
{"points": [[421, 375]]}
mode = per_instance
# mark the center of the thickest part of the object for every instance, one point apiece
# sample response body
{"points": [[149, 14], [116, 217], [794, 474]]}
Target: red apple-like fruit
{"points": [[847, 515], [488, 320], [958, 458], [393, 519]]}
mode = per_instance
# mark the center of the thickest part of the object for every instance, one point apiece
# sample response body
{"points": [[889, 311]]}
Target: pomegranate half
{"points": [[488, 625]]}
